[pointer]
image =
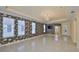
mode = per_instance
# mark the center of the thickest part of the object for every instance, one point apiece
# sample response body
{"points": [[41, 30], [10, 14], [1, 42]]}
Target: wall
{"points": [[66, 28], [74, 30], [77, 31], [39, 28], [28, 28]]}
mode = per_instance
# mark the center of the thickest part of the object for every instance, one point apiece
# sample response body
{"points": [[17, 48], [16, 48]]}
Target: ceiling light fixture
{"points": [[46, 15]]}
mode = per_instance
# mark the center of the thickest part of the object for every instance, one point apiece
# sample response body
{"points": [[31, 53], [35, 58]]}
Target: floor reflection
{"points": [[46, 43], [33, 45], [44, 40], [20, 49], [65, 38], [56, 37]]}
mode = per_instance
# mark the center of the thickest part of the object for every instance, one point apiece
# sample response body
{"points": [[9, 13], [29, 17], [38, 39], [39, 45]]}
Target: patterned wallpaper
{"points": [[39, 28], [28, 28], [1, 27]]}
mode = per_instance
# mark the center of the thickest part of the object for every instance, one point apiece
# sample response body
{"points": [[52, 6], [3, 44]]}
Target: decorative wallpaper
{"points": [[28, 29], [5, 40], [1, 27], [39, 28]]}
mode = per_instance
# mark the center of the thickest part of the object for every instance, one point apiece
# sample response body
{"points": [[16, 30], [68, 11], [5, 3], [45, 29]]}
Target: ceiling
{"points": [[45, 14]]}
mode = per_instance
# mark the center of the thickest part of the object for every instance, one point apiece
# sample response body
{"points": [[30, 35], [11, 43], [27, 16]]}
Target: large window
{"points": [[33, 27], [44, 28], [8, 27], [21, 27]]}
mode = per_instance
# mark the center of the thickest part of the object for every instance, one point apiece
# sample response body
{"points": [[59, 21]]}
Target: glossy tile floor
{"points": [[46, 43]]}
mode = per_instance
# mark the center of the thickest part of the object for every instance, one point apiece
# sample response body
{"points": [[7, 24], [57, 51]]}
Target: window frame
{"points": [[33, 32]]}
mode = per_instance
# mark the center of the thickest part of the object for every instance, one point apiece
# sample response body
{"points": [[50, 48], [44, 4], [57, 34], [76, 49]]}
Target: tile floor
{"points": [[46, 43]]}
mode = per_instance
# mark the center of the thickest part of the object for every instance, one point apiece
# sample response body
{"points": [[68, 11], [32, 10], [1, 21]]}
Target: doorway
{"points": [[58, 29]]}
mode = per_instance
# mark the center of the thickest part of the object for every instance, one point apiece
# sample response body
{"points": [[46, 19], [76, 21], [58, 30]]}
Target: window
{"points": [[8, 27], [21, 27], [44, 28], [33, 27]]}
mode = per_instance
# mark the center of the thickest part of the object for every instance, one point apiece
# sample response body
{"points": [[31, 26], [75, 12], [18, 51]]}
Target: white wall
{"points": [[66, 26], [74, 30], [71, 27], [77, 33]]}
